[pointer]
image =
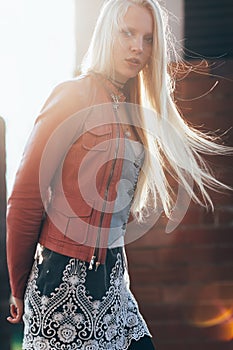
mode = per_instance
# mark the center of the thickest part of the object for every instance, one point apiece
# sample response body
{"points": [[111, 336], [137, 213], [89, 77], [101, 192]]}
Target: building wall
{"points": [[86, 13], [184, 280]]}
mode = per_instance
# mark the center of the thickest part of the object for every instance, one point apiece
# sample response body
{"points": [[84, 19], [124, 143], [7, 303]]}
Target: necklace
{"points": [[119, 85], [126, 129], [117, 96]]}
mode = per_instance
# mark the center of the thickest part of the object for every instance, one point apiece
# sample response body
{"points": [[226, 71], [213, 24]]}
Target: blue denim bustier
{"points": [[132, 163]]}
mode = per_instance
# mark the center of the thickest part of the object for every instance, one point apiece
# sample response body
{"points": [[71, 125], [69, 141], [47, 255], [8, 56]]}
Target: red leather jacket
{"points": [[73, 160]]}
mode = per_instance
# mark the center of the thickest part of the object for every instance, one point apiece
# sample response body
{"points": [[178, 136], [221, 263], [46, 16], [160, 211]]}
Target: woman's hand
{"points": [[16, 310]]}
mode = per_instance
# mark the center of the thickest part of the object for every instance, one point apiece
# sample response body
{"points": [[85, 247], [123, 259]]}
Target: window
{"points": [[208, 28]]}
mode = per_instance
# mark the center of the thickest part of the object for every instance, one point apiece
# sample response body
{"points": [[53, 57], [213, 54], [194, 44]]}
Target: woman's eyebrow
{"points": [[133, 29]]}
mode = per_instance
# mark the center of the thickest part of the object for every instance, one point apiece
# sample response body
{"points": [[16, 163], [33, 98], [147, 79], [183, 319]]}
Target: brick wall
{"points": [[184, 280]]}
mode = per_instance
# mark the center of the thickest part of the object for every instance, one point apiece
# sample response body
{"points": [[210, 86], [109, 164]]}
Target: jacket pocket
{"points": [[73, 227], [96, 138]]}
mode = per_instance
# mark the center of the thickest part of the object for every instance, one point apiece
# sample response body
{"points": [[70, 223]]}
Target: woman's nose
{"points": [[137, 45]]}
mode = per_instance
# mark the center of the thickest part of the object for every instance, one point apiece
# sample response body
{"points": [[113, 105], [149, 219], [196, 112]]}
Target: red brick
{"points": [[176, 331], [205, 293], [205, 86], [225, 215], [196, 345], [184, 237], [215, 122], [188, 273], [182, 274], [223, 199], [187, 313], [221, 165], [193, 215], [147, 295], [177, 256], [181, 332], [207, 104], [208, 218]]}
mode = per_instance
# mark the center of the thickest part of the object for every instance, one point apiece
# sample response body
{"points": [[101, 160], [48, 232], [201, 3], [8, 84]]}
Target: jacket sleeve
{"points": [[25, 206]]}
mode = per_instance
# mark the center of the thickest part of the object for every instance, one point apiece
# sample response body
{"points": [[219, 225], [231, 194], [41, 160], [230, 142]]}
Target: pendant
{"points": [[127, 133], [115, 101]]}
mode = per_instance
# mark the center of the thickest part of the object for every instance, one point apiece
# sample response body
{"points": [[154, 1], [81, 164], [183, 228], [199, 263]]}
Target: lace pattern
{"points": [[70, 318]]}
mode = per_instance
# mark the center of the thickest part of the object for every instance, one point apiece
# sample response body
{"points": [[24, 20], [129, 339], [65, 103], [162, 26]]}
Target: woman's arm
{"points": [[25, 206]]}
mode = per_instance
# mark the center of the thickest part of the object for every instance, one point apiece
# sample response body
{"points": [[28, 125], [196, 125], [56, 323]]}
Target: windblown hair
{"points": [[173, 147]]}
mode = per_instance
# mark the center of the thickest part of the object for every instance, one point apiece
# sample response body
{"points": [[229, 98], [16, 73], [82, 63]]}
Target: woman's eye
{"points": [[127, 33], [149, 40]]}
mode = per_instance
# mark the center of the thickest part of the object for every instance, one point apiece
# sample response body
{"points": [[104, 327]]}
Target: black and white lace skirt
{"points": [[69, 307]]}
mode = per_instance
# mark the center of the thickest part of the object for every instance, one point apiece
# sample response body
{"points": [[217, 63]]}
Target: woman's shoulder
{"points": [[66, 99], [70, 95], [80, 84]]}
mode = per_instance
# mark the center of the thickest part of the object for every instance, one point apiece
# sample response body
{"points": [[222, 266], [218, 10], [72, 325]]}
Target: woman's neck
{"points": [[118, 84]]}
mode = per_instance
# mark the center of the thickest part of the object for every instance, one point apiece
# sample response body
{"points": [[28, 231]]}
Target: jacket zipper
{"points": [[96, 248]]}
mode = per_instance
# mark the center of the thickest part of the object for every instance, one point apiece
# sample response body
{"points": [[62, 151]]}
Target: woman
{"points": [[93, 156]]}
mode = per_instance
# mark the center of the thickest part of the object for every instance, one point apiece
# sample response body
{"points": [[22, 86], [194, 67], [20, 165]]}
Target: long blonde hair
{"points": [[173, 146]]}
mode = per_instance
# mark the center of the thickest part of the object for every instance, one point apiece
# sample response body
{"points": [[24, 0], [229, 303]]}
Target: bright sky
{"points": [[37, 51]]}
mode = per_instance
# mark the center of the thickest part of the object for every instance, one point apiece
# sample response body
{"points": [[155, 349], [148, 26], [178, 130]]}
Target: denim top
{"points": [[132, 163]]}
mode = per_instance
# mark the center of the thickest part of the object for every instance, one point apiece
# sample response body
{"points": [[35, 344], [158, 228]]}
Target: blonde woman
{"points": [[101, 148]]}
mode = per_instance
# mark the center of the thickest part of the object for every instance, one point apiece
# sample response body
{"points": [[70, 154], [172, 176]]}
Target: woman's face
{"points": [[133, 46]]}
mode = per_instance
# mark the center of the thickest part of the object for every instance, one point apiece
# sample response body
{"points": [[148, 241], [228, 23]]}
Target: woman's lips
{"points": [[134, 62]]}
